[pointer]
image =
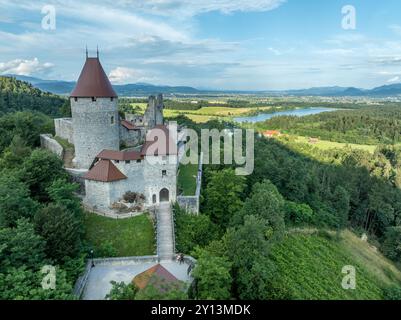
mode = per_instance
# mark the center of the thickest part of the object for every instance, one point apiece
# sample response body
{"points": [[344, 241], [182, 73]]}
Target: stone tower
{"points": [[95, 118], [154, 112]]}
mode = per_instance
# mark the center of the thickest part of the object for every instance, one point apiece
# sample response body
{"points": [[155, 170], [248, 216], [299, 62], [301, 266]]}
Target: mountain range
{"points": [[143, 89]]}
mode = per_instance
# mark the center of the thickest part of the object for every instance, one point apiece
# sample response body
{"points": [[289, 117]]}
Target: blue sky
{"points": [[223, 44]]}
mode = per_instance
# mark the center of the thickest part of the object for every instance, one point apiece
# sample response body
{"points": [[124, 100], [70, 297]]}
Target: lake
{"points": [[297, 112]]}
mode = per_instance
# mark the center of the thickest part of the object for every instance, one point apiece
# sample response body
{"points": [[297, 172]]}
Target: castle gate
{"points": [[164, 195]]}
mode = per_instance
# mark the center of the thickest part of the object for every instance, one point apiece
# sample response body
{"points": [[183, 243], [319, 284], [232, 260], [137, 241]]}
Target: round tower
{"points": [[95, 118]]}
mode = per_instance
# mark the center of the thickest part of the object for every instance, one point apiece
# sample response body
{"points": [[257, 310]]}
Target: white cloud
{"points": [[24, 67], [395, 79], [122, 75], [182, 8]]}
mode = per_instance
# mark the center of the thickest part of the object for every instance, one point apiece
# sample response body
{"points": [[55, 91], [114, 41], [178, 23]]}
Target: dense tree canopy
{"points": [[18, 95]]}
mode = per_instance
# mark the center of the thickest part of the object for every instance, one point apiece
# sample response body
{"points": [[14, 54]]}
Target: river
{"points": [[296, 112]]}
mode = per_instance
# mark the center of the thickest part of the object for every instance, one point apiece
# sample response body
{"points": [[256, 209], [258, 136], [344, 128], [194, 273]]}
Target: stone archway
{"points": [[164, 195]]}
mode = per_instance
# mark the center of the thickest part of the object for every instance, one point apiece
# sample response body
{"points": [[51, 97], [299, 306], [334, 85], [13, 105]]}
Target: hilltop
{"points": [[144, 89], [16, 95]]}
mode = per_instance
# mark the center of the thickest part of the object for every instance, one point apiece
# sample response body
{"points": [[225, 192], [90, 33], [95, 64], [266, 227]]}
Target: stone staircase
{"points": [[165, 232]]}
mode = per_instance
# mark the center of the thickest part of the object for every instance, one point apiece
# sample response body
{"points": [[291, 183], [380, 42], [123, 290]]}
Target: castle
{"points": [[147, 169]]}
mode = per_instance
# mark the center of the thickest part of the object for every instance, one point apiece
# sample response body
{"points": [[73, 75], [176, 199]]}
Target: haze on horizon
{"points": [[224, 44]]}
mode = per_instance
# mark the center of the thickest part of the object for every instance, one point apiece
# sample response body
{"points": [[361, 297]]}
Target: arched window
{"points": [[154, 198], [112, 120]]}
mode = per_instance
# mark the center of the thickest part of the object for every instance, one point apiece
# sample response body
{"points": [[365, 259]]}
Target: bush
{"points": [[392, 243], [132, 197], [392, 293], [298, 213]]}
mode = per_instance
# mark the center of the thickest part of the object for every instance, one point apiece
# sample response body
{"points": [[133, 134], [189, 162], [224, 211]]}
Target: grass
{"points": [[129, 237], [187, 179], [208, 113], [327, 145], [64, 143], [373, 260], [140, 105], [310, 267]]}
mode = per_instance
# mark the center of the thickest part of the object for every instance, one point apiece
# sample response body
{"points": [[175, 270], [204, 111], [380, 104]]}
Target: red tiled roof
{"points": [[128, 125], [104, 171], [159, 148], [119, 155], [271, 133], [93, 81], [155, 275]]}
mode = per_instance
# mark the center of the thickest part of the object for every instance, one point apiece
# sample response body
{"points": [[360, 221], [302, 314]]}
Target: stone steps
{"points": [[165, 240]]}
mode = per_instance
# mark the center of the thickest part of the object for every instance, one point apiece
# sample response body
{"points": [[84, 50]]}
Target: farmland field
{"points": [[326, 145]]}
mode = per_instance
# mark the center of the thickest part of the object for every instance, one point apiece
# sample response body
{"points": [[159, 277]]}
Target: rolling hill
{"points": [[143, 89]]}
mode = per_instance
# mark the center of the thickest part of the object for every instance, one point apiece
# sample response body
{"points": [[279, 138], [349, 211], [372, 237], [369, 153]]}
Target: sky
{"points": [[220, 44]]}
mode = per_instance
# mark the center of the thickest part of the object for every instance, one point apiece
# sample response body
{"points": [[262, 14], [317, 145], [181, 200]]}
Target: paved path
{"points": [[165, 240]]}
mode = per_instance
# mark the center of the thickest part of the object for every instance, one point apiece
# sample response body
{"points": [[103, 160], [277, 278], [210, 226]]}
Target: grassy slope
{"points": [[310, 267], [187, 179], [326, 145], [130, 237]]}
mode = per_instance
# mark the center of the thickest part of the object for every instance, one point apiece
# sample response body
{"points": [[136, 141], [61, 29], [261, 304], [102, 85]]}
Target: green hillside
{"points": [[17, 95], [310, 267]]}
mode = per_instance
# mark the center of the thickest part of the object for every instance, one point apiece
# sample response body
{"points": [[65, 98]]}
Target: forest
{"points": [[244, 239], [40, 214], [370, 125], [17, 95]]}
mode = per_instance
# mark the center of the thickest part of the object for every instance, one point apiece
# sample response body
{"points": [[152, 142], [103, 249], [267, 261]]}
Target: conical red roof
{"points": [[93, 82]]}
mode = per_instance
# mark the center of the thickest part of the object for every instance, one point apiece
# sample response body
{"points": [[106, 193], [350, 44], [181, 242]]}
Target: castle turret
{"points": [[95, 118], [154, 112]]}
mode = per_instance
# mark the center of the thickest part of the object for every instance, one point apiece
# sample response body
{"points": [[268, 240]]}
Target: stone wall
{"points": [[135, 119], [48, 142], [131, 138], [154, 179], [96, 127], [154, 112], [77, 177], [191, 203], [63, 127], [97, 195]]}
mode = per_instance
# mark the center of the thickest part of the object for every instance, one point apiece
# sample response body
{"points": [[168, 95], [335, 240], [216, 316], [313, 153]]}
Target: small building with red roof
{"points": [[271, 133], [158, 277]]}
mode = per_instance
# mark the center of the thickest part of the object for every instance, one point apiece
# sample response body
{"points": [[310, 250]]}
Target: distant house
{"points": [[313, 140], [271, 133]]}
